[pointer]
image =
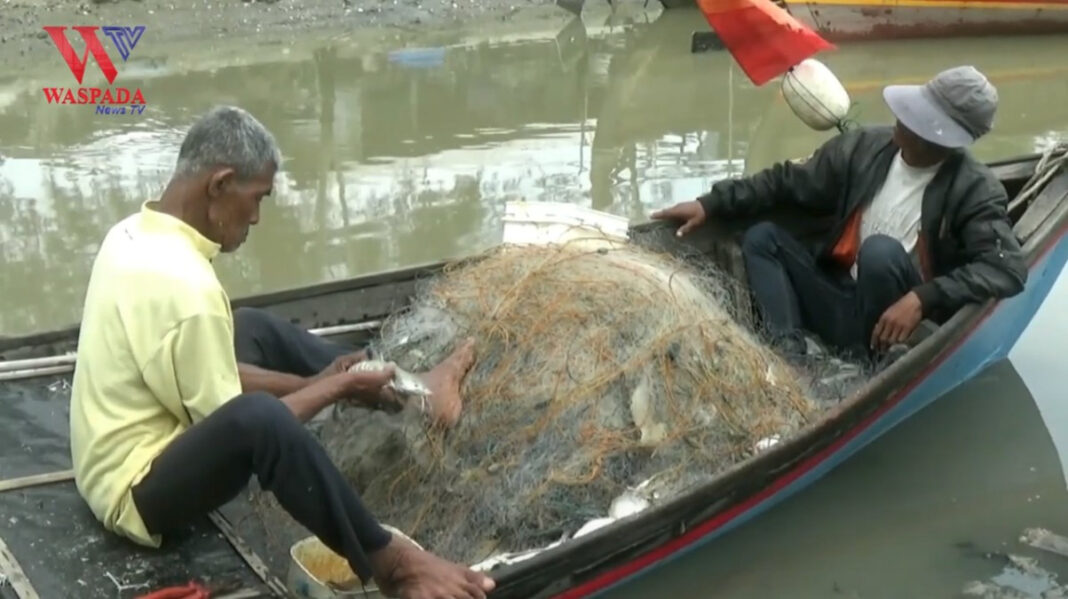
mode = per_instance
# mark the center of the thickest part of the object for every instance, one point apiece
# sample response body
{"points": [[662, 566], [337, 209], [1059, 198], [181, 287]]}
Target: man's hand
{"points": [[898, 322], [368, 387], [691, 214], [341, 364]]}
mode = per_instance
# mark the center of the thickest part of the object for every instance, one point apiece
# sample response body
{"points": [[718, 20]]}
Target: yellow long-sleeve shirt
{"points": [[155, 355]]}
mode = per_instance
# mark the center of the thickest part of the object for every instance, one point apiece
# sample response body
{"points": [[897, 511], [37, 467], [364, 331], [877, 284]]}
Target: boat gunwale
{"points": [[69, 334]]}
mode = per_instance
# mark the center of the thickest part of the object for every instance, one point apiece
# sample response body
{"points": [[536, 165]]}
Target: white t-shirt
{"points": [[895, 210]]}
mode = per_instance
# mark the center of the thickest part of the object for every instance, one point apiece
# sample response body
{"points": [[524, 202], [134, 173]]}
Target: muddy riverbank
{"points": [[192, 24]]}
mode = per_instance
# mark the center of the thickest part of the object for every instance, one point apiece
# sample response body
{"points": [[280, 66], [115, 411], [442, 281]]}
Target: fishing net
{"points": [[606, 379]]}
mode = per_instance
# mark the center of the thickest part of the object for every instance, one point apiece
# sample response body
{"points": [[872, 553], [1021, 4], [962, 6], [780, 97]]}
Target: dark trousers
{"points": [[267, 341], [255, 433], [793, 293]]}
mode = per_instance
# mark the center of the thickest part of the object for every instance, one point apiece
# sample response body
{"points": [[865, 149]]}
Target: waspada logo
{"points": [[108, 100]]}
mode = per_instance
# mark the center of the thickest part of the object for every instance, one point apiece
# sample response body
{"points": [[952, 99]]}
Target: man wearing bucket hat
{"points": [[918, 227]]}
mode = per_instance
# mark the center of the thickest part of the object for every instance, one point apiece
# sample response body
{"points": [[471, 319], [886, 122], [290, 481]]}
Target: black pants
{"points": [[267, 341], [255, 433], [793, 293]]}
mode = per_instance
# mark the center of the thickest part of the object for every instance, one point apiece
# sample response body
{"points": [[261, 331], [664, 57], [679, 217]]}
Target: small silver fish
{"points": [[404, 382], [630, 502]]}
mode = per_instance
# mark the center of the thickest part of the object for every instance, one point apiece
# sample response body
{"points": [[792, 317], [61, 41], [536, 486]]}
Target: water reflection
{"points": [[394, 158]]}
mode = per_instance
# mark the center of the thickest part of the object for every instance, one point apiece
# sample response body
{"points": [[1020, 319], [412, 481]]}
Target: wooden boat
{"points": [[849, 20], [49, 540]]}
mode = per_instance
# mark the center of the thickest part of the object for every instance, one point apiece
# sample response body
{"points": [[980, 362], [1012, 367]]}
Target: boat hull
{"points": [[855, 20], [852, 20]]}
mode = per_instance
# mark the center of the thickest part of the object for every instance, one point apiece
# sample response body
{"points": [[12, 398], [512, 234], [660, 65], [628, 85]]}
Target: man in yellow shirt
{"points": [[166, 424]]}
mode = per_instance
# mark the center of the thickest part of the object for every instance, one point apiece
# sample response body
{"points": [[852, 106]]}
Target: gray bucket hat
{"points": [[952, 110]]}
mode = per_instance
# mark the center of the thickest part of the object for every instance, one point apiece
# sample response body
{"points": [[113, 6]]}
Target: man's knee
{"points": [[880, 254], [761, 238], [251, 319], [255, 414]]}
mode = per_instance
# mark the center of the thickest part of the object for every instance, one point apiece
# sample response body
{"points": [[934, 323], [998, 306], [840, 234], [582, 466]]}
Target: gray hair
{"points": [[228, 136]]}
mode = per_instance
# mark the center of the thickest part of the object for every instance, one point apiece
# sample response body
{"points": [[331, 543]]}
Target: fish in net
{"points": [[601, 372]]}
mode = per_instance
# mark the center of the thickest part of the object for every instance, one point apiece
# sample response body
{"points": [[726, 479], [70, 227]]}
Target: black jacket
{"points": [[966, 242]]}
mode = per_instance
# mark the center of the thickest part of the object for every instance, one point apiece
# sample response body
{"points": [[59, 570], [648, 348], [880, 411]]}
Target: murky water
{"points": [[396, 158]]}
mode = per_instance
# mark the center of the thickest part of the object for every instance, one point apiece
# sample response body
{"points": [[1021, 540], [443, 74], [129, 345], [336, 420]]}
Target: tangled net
{"points": [[597, 370]]}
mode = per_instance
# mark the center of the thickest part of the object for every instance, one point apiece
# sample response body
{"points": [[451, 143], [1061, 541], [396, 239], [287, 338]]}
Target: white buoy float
{"points": [[815, 95]]}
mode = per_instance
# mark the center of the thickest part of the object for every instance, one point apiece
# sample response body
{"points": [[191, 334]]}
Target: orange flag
{"points": [[764, 39]]}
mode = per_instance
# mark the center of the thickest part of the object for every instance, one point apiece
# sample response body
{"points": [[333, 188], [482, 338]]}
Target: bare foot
{"points": [[444, 381], [403, 570]]}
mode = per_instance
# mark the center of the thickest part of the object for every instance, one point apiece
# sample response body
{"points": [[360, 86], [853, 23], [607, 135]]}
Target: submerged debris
{"points": [[1040, 538], [1024, 577]]}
